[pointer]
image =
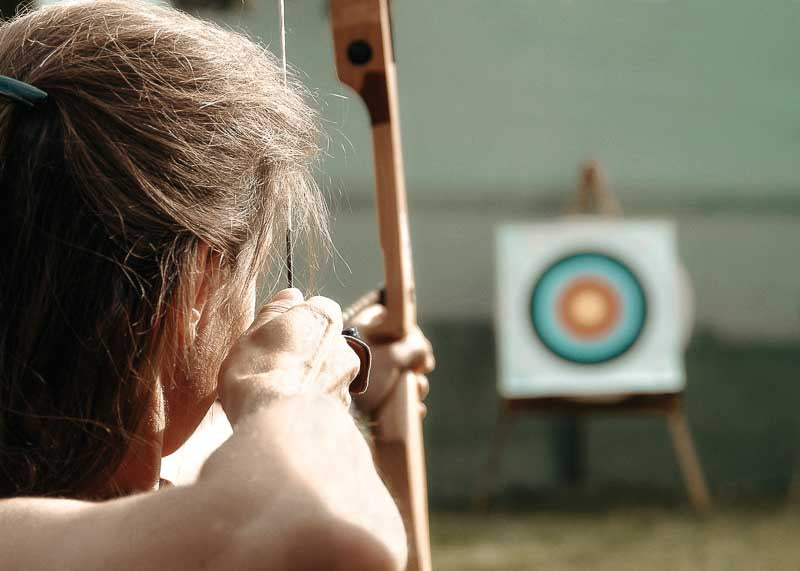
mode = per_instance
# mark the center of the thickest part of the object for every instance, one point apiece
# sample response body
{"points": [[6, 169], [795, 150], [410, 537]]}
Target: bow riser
{"points": [[361, 30], [365, 62]]}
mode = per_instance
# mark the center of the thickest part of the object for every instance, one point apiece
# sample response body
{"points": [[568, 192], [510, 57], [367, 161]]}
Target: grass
{"points": [[652, 538]]}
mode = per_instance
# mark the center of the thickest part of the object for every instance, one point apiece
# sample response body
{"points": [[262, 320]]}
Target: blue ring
{"points": [[563, 344]]}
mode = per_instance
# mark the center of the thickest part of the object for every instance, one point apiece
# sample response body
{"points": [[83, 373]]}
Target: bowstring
{"points": [[289, 260]]}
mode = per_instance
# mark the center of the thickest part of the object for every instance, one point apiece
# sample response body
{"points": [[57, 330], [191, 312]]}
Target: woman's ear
{"points": [[194, 320], [203, 285]]}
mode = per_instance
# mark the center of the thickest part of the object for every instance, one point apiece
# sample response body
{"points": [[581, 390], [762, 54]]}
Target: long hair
{"points": [[161, 133]]}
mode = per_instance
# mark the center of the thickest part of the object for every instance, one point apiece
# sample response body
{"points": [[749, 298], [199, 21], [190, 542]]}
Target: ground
{"points": [[756, 536], [631, 513]]}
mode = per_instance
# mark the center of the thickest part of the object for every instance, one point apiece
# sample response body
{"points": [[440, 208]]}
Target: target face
{"points": [[588, 308]]}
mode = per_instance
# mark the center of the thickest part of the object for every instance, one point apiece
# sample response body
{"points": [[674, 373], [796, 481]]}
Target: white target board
{"points": [[588, 307]]}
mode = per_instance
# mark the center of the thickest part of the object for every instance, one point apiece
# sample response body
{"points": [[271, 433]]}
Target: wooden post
{"points": [[688, 461]]}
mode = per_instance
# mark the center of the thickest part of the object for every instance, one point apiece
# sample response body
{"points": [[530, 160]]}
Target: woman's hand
{"points": [[296, 476], [293, 347], [390, 360]]}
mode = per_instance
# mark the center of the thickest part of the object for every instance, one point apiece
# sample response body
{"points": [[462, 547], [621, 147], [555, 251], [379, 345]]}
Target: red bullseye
{"points": [[588, 308]]}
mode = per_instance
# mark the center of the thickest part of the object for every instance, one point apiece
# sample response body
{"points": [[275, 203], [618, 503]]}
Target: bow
{"points": [[365, 61]]}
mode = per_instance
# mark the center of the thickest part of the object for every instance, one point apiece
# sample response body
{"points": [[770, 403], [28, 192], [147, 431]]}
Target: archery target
{"points": [[588, 307]]}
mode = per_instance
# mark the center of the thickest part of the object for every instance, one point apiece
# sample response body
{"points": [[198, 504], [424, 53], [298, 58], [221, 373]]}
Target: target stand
{"points": [[591, 318]]}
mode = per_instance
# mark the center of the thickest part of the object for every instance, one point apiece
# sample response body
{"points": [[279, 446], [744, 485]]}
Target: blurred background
{"points": [[692, 109]]}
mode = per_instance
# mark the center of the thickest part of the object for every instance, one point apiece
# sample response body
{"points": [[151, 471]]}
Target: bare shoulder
{"points": [[31, 529], [45, 533], [168, 528], [163, 529]]}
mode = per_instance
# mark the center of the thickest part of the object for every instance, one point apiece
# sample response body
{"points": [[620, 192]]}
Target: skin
{"points": [[294, 487], [389, 360]]}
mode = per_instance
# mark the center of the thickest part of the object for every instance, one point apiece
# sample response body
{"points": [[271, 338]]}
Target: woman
{"points": [[140, 200]]}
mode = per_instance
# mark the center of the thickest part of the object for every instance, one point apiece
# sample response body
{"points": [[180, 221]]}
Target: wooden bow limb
{"points": [[365, 62]]}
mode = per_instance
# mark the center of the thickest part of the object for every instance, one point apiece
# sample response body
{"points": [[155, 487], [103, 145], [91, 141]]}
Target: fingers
{"points": [[332, 367], [294, 323], [329, 309], [423, 386], [413, 353], [292, 347], [430, 361], [283, 301], [335, 364]]}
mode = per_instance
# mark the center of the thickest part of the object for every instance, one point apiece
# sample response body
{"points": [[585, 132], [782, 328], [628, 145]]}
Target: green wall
{"points": [[692, 107], [693, 98]]}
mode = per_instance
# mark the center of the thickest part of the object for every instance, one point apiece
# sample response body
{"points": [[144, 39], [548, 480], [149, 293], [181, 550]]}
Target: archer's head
{"points": [[137, 205]]}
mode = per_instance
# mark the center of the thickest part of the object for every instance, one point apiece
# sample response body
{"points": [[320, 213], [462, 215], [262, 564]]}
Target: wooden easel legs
{"points": [[670, 406], [688, 461]]}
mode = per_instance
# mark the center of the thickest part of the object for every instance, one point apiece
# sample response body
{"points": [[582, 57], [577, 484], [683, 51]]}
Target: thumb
{"points": [[283, 301]]}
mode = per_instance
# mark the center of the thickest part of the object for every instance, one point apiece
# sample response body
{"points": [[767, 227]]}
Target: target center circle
{"points": [[588, 308]]}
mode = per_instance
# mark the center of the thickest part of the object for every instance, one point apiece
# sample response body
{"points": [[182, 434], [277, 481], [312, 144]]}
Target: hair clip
{"points": [[21, 92]]}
